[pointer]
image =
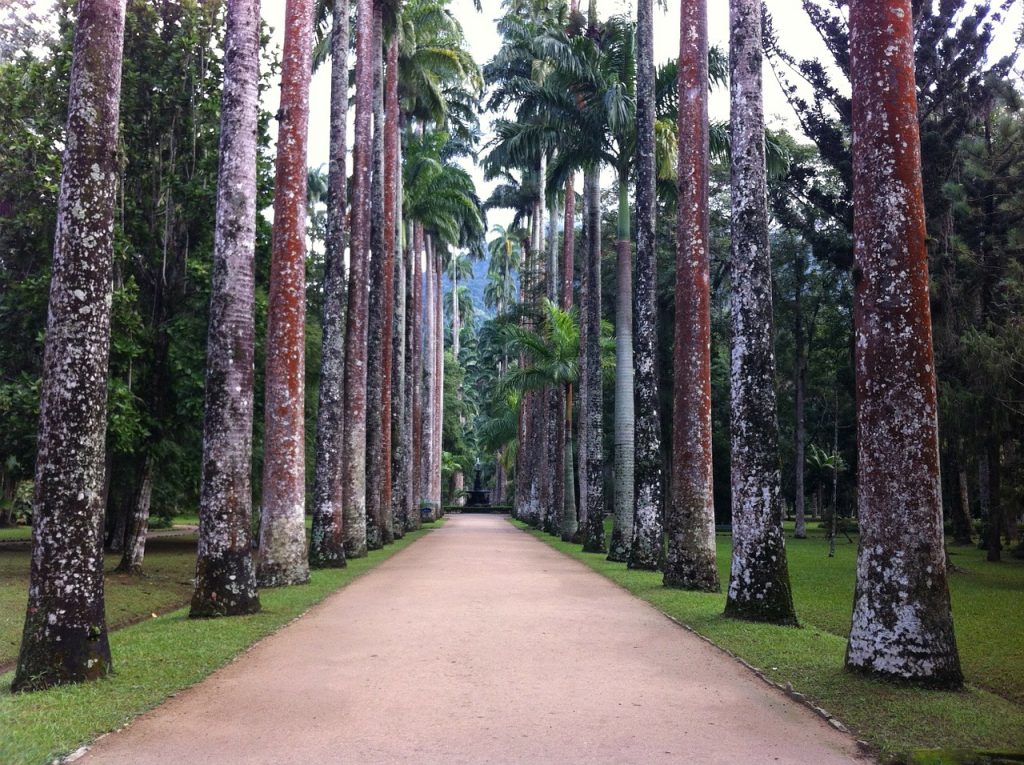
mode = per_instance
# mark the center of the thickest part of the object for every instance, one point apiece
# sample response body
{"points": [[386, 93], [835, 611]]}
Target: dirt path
{"points": [[480, 644]]}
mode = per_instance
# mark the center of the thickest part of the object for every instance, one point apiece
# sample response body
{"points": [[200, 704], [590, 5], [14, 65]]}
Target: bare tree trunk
{"points": [[378, 343], [647, 543], [800, 386], [902, 625], [963, 523], [435, 492], [429, 383], [65, 636], [591, 437], [625, 421], [416, 323], [690, 516], [135, 541], [759, 578], [569, 523], [398, 455], [283, 559], [326, 549], [354, 455], [993, 462], [225, 581]]}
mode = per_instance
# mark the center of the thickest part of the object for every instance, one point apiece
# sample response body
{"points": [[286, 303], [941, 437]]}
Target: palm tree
{"points": [[225, 581], [759, 578], [326, 547], [902, 625], [645, 548], [690, 516], [379, 528], [65, 636], [283, 558], [458, 266], [354, 454], [505, 257]]}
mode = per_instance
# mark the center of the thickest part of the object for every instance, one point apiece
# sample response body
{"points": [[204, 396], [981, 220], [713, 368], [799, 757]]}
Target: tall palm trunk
{"points": [[326, 548], [283, 559], [623, 508], [412, 513], [556, 396], [435, 491], [902, 625], [429, 382], [354, 460], [759, 578], [646, 547], [569, 523], [690, 515], [800, 394], [378, 343], [416, 320], [591, 420], [396, 452], [65, 636]]}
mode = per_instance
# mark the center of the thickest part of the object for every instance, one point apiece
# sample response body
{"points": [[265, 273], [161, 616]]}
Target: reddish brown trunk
{"points": [[690, 521], [902, 626], [354, 462]]}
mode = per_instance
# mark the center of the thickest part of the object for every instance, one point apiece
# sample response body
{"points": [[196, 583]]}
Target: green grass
{"points": [[15, 533], [169, 567], [152, 660], [989, 623]]}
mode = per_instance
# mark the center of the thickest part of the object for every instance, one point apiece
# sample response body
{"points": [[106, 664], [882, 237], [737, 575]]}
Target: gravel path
{"points": [[480, 644]]}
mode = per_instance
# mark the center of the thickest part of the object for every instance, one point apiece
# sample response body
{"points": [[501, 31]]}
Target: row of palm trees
{"points": [[581, 94], [390, 227]]}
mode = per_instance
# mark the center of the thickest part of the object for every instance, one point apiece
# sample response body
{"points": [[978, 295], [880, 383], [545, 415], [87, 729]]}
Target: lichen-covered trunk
{"points": [[65, 636], [412, 515], [378, 341], [902, 625], [429, 381], [623, 507], [435, 477], [397, 454], [800, 395], [135, 541], [415, 324], [758, 578], [581, 385], [354, 454], [592, 422], [326, 547], [283, 559], [554, 485], [225, 581], [646, 546], [569, 523]]}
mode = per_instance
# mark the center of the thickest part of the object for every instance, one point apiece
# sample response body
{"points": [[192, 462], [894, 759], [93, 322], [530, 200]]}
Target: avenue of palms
{"points": [[651, 336]]}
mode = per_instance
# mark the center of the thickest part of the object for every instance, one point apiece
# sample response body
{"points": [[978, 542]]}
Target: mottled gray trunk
{"points": [[623, 507], [435, 492], [591, 424], [225, 581], [902, 626], [377, 342], [581, 385], [415, 327], [429, 381], [65, 636], [800, 387], [759, 578], [646, 547], [354, 454], [135, 540], [283, 558], [326, 549], [400, 448]]}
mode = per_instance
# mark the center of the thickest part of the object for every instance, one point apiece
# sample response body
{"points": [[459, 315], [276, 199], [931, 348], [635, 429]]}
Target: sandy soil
{"points": [[480, 644]]}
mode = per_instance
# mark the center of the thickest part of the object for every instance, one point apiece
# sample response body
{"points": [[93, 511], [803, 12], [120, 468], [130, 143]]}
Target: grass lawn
{"points": [[170, 565], [9, 533], [988, 715], [152, 660]]}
